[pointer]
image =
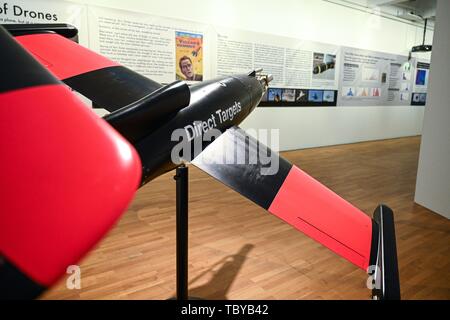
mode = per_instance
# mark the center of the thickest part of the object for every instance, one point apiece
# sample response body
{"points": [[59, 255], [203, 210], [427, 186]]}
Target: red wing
{"points": [[105, 82], [67, 176], [298, 199]]}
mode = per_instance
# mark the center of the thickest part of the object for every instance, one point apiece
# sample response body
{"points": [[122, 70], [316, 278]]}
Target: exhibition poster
{"points": [[189, 56]]}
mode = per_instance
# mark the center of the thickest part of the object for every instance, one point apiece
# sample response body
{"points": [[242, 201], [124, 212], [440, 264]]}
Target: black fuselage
{"points": [[216, 104]]}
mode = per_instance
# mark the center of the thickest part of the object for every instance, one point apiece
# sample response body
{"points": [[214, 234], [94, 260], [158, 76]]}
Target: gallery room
{"points": [[225, 150]]}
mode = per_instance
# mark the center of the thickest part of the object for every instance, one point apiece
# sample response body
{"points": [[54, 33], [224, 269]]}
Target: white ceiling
{"points": [[408, 8]]}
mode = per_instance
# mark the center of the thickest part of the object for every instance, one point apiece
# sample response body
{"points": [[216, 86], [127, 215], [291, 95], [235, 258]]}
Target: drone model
{"points": [[68, 174]]}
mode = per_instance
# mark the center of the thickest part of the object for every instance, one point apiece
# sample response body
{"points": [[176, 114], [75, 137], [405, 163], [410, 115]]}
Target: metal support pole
{"points": [[182, 179]]}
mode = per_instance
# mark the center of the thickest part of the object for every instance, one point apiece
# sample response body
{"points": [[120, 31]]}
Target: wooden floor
{"points": [[239, 251]]}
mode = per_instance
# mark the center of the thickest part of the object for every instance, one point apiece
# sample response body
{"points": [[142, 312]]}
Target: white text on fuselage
{"points": [[198, 128]]}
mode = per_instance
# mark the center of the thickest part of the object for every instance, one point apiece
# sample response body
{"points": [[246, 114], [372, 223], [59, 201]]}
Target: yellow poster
{"points": [[189, 56]]}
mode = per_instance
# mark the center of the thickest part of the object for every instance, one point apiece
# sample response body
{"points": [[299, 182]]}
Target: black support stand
{"points": [[182, 179]]}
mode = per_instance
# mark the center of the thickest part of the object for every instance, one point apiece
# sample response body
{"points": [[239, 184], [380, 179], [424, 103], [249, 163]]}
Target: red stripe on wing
{"points": [[312, 208], [63, 57]]}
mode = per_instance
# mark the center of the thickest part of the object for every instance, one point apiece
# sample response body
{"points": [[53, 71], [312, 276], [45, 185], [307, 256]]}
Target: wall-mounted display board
{"points": [[370, 78], [161, 48], [304, 72]]}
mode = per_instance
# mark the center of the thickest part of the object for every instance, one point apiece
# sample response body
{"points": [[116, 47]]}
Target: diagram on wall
{"points": [[370, 78], [370, 74]]}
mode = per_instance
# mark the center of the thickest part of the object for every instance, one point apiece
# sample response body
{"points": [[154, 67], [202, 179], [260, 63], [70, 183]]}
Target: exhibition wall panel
{"points": [[150, 45], [317, 22], [305, 73], [26, 11]]}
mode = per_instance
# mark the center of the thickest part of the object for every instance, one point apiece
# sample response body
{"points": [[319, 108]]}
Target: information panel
{"points": [[161, 48], [304, 72], [371, 78]]}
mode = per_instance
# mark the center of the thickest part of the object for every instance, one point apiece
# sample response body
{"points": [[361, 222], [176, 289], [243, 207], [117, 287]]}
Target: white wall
{"points": [[433, 176], [317, 20]]}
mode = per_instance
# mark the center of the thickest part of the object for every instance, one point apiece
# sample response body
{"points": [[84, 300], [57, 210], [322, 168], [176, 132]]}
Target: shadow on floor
{"points": [[222, 279]]}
